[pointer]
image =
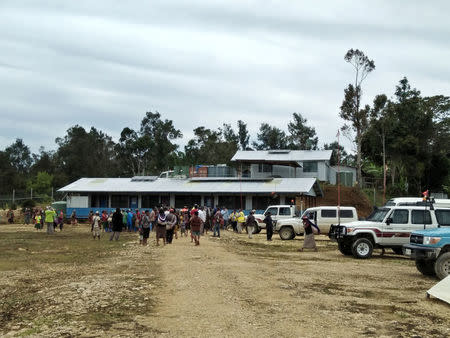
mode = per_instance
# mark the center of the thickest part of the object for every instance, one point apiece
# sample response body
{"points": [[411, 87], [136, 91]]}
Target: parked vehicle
{"points": [[323, 217], [387, 227], [430, 248], [418, 201], [278, 212]]}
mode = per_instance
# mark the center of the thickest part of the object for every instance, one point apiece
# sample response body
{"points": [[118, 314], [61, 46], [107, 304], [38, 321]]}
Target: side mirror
{"points": [[388, 221]]}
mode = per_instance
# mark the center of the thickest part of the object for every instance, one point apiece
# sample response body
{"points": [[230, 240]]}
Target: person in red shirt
{"points": [[196, 223]]}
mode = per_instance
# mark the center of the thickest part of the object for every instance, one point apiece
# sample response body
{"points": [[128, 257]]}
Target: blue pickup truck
{"points": [[431, 250]]}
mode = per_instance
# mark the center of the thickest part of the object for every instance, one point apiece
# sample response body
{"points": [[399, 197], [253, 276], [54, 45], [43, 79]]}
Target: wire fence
{"points": [[19, 197]]}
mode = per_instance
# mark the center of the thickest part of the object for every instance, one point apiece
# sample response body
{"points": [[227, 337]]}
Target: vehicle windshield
{"points": [[378, 215], [390, 204]]}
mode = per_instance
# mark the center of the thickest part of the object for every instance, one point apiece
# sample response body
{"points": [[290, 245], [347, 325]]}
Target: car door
{"points": [[396, 229], [274, 212]]}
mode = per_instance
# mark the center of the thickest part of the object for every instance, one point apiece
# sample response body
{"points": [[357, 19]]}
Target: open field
{"points": [[67, 284]]}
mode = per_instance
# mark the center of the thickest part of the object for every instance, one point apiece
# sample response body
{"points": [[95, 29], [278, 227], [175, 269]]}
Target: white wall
{"points": [[78, 201]]}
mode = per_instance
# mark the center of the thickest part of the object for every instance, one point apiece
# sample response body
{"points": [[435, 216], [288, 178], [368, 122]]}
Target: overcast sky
{"points": [[104, 63]]}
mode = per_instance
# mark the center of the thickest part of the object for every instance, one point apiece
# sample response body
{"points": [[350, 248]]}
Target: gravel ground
{"points": [[68, 285]]}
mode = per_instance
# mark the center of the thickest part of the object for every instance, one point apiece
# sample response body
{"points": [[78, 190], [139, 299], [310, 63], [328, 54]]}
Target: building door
{"points": [[133, 202]]}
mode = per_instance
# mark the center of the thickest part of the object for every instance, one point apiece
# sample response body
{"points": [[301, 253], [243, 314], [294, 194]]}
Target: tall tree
{"points": [[270, 138], [86, 154], [345, 158], [301, 136], [151, 149], [243, 135], [350, 108], [19, 156], [211, 146]]}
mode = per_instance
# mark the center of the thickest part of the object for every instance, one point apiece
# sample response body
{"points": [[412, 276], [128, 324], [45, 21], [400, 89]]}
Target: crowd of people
{"points": [[167, 223]]}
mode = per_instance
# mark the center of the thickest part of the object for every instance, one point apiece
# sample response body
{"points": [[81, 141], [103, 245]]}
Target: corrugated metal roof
{"points": [[172, 185], [282, 156]]}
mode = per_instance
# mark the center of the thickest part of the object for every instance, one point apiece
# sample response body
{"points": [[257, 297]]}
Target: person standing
{"points": [[61, 220], [49, 219], [309, 242], [269, 225], [171, 221], [202, 215], [27, 216], [240, 221], [161, 227], [37, 220], [218, 219], [233, 220], [225, 216], [73, 218], [130, 221], [250, 224], [152, 219], [105, 225], [145, 223], [117, 224], [195, 224], [96, 225]]}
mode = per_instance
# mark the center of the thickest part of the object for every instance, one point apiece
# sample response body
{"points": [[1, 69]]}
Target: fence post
{"points": [[31, 193], [52, 194], [13, 196]]}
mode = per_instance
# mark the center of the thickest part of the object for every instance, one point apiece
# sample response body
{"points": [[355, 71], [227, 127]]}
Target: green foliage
{"points": [[301, 136], [270, 138], [28, 204], [243, 135], [41, 184], [212, 147], [85, 154]]}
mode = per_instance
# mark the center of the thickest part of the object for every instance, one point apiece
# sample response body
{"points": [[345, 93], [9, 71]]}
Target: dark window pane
{"points": [[443, 217], [421, 217], [310, 167], [400, 216], [328, 213], [346, 213], [285, 211]]}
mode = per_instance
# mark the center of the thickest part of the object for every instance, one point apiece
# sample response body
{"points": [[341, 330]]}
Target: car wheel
{"points": [[362, 248], [426, 267], [442, 265], [345, 248], [286, 233], [398, 251]]}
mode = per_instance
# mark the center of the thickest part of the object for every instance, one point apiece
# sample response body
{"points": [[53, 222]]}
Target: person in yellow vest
{"points": [[50, 215], [240, 221]]}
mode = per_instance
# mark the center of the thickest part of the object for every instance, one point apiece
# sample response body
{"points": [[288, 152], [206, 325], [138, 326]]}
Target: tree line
{"points": [[405, 138]]}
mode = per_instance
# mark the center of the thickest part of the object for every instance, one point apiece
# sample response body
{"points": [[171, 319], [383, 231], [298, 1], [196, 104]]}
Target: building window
{"points": [[232, 202], [310, 167], [150, 201], [262, 202], [264, 168], [120, 201]]}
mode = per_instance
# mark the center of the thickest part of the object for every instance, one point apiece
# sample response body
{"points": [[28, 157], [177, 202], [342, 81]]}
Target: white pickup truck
{"points": [[322, 216], [386, 227], [278, 212]]}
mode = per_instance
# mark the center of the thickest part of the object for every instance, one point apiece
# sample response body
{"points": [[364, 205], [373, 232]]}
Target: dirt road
{"points": [[228, 287], [239, 287]]}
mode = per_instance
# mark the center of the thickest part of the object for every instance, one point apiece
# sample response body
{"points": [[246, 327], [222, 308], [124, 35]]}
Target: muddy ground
{"points": [[68, 285]]}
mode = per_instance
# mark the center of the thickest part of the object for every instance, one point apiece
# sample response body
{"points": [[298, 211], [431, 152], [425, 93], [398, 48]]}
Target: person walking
{"points": [[27, 216], [225, 217], [73, 218], [145, 222], [105, 225], [96, 225], [152, 218], [240, 221], [49, 219], [117, 225], [61, 220], [161, 227], [37, 220], [250, 224], [195, 224], [269, 225], [171, 221], [309, 242], [218, 219]]}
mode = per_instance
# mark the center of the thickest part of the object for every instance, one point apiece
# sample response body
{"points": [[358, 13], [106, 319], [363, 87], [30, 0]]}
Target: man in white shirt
{"points": [[202, 216]]}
